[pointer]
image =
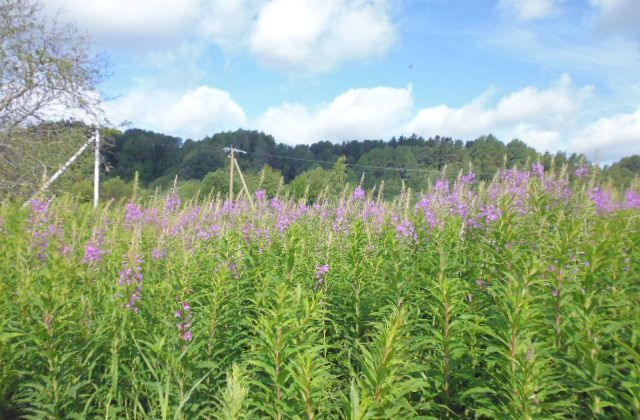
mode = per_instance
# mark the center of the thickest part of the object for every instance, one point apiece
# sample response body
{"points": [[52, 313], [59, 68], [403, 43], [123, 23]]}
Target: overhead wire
{"points": [[352, 165]]}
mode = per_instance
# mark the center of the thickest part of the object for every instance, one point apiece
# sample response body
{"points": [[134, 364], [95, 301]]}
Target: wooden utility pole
{"points": [[96, 170], [244, 184], [231, 168]]}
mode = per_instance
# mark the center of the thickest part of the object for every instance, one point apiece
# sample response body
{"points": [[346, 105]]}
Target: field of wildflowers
{"points": [[516, 298]]}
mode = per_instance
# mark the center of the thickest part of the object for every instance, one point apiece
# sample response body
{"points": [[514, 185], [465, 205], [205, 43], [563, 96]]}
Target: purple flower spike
{"points": [[428, 204], [39, 206], [603, 200], [131, 275], [582, 172], [442, 185], [321, 275], [173, 203], [491, 213], [538, 169], [632, 199], [468, 178], [134, 214], [261, 195], [92, 254], [322, 270], [406, 229], [359, 193], [41, 227], [158, 254], [184, 327]]}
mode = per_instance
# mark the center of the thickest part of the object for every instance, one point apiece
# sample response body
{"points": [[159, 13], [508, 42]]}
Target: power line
{"points": [[353, 165]]}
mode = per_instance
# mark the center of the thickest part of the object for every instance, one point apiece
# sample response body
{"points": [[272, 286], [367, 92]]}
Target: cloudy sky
{"points": [[558, 74]]}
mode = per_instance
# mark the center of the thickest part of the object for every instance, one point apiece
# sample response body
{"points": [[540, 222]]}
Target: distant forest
{"points": [[202, 167], [414, 161]]}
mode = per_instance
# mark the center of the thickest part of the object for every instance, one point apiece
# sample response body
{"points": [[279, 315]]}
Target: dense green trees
{"points": [[412, 162], [148, 153], [306, 169], [624, 170]]}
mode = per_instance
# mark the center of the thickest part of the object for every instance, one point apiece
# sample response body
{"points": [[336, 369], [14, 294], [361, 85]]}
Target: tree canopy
{"points": [[411, 161]]}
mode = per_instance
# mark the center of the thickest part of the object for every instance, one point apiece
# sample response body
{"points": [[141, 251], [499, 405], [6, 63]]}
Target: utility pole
{"points": [[234, 164], [231, 168], [96, 170], [244, 184]]}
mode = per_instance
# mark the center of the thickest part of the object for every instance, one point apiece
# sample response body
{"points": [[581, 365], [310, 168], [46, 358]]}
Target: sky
{"points": [[557, 74]]}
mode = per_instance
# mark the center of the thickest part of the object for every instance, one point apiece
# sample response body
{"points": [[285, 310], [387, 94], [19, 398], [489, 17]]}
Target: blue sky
{"points": [[558, 74]]}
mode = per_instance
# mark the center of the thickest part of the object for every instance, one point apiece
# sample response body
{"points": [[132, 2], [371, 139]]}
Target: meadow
{"points": [[515, 298]]}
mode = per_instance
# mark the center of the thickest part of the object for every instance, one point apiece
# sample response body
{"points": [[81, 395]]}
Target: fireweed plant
{"points": [[516, 298]]}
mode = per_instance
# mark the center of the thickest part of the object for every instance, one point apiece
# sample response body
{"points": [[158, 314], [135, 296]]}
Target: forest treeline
{"points": [[414, 160], [202, 167]]}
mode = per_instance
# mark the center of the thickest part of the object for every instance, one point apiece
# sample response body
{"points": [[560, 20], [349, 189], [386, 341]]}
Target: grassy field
{"points": [[517, 298]]}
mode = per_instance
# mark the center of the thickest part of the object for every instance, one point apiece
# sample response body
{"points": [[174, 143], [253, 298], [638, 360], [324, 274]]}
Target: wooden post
{"points": [[244, 184], [96, 171], [231, 165]]}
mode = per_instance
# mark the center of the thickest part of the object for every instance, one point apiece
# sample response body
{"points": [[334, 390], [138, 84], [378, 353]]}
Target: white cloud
{"points": [[313, 36], [528, 9], [555, 118], [609, 138], [547, 119], [228, 22], [128, 22], [191, 114], [154, 22], [537, 116], [611, 63], [355, 114], [296, 36], [619, 16], [541, 139]]}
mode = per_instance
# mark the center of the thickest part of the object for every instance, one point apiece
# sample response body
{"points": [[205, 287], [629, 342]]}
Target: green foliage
{"points": [[268, 179], [534, 315], [311, 184], [191, 189], [339, 171], [142, 151], [625, 170], [234, 397], [116, 189], [386, 379], [32, 155], [218, 182], [414, 161]]}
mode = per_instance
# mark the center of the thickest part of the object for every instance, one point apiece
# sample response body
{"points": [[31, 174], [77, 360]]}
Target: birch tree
{"points": [[47, 71]]}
